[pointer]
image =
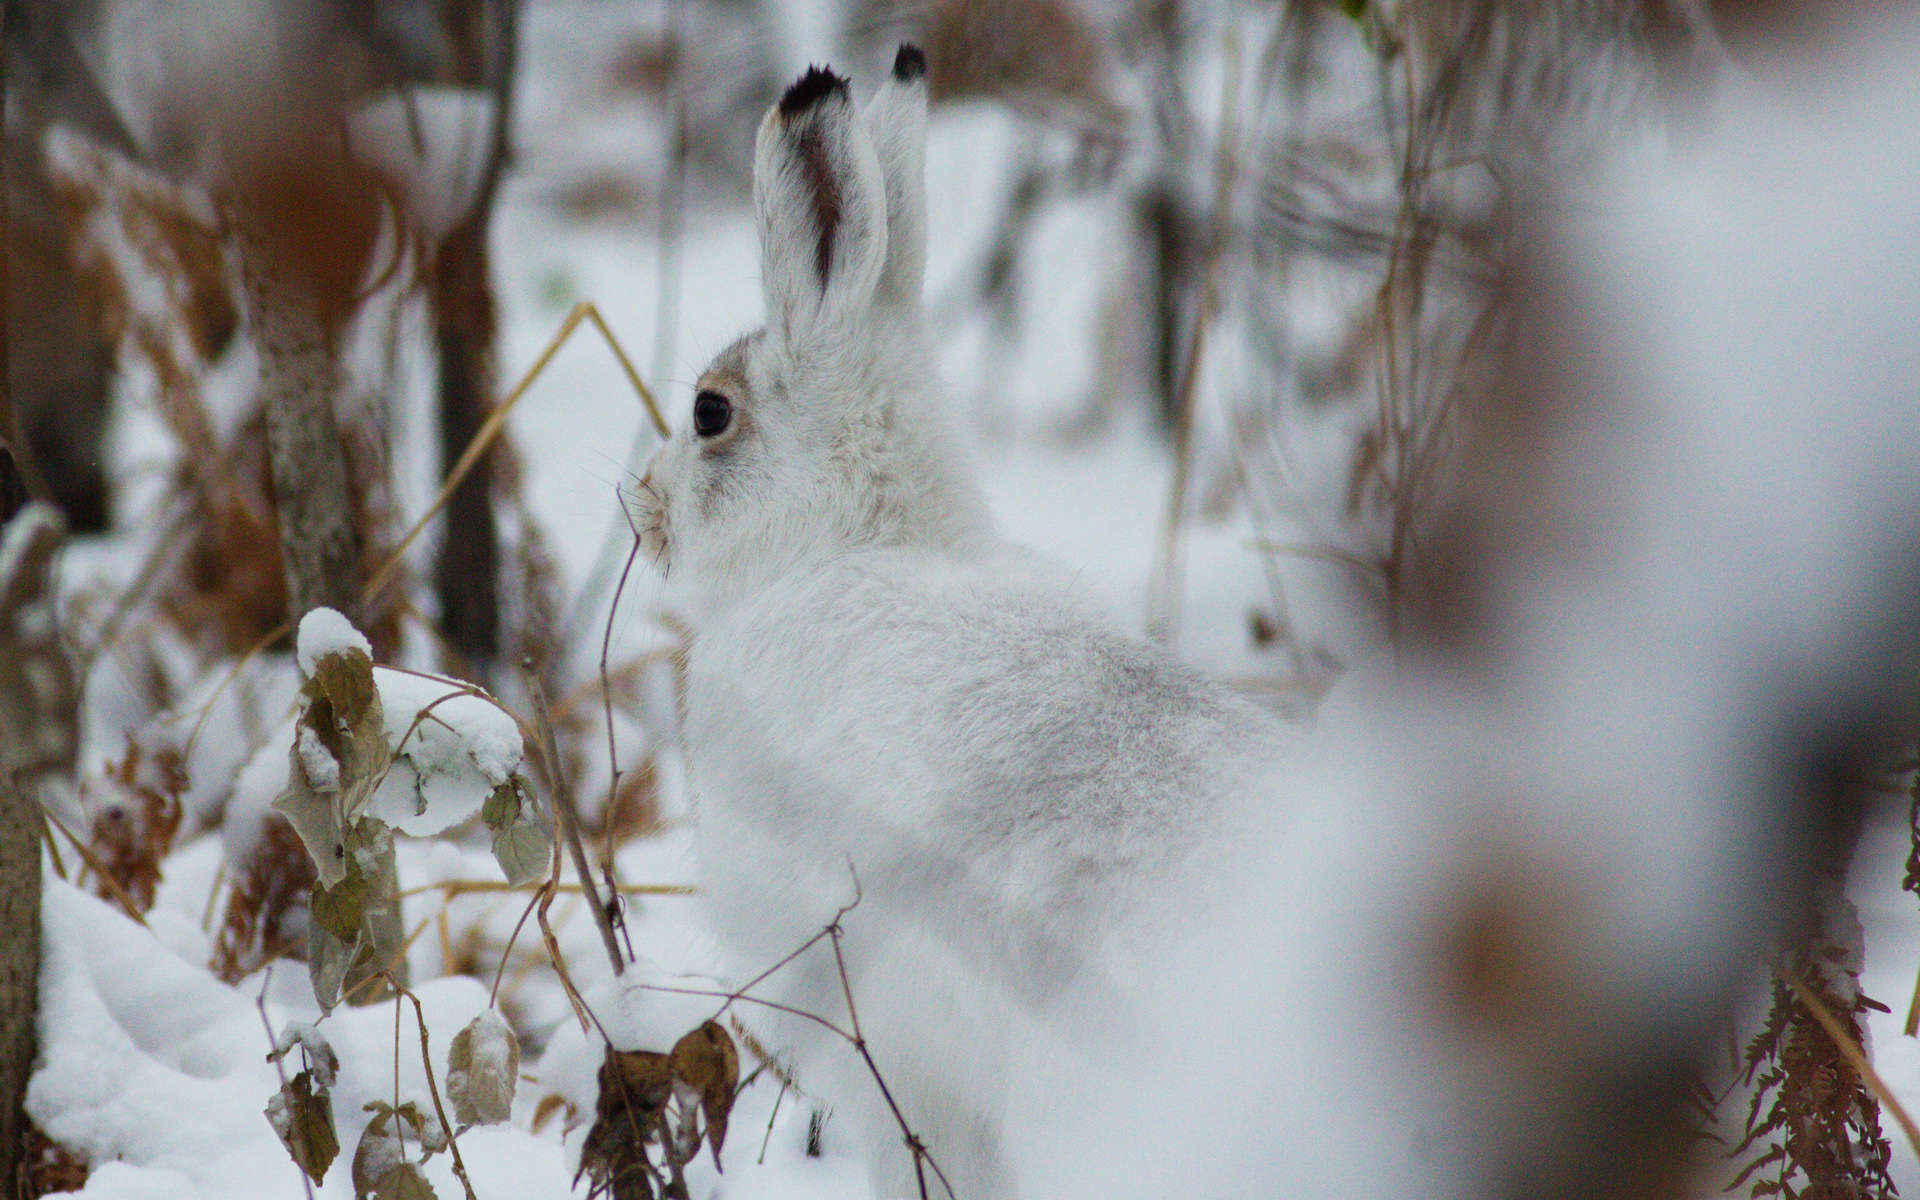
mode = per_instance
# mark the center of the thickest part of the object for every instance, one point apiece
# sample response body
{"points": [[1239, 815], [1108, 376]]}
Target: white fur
{"points": [[880, 685]]}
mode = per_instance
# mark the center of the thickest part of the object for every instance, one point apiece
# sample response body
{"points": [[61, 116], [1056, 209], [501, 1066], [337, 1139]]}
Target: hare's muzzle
{"points": [[646, 507]]}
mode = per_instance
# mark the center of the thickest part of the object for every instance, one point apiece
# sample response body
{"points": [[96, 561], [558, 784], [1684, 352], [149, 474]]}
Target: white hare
{"points": [[880, 687]]}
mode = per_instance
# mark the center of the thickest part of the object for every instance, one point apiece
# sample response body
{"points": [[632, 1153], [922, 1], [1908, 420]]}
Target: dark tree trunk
{"points": [[466, 577], [19, 816], [37, 725], [467, 573], [19, 967], [19, 909]]}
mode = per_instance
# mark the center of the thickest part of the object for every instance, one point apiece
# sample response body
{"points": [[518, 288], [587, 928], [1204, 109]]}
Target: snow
{"points": [[452, 744], [149, 1064], [321, 767], [323, 633]]}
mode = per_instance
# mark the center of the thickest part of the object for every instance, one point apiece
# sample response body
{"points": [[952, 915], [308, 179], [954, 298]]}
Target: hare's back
{"points": [[972, 712]]}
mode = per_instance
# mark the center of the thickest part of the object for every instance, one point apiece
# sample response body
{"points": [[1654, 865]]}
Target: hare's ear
{"points": [[897, 115], [821, 208]]}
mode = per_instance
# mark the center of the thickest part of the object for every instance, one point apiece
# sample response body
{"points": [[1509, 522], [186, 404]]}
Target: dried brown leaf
{"points": [[381, 1168], [483, 1064], [706, 1063], [302, 1114], [405, 1181], [635, 1086]]}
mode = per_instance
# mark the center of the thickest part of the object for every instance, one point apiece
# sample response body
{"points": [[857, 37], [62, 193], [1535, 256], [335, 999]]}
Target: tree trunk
{"points": [[19, 967], [305, 220], [483, 35], [467, 573], [38, 720], [319, 549], [19, 816]]}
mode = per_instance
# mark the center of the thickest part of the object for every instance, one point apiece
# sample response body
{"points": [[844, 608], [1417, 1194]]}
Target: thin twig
{"points": [[433, 1089], [922, 1157], [569, 819], [771, 1117], [273, 1044], [542, 902], [606, 692], [465, 887], [493, 993], [496, 421], [832, 932]]}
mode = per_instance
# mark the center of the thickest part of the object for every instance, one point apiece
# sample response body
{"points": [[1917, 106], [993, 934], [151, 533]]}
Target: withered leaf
{"points": [[342, 687], [502, 806], [641, 1080], [349, 966], [302, 1114], [381, 1168], [339, 756], [635, 1086], [522, 845], [341, 907], [343, 711], [483, 1064], [524, 851], [705, 1062], [316, 818], [403, 1181]]}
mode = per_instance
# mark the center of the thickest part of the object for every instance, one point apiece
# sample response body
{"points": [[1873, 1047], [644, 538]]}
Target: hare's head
{"points": [[812, 435]]}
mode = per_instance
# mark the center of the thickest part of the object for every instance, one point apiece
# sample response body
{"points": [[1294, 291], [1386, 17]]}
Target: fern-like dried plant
{"points": [[136, 812], [1812, 1129], [266, 914]]}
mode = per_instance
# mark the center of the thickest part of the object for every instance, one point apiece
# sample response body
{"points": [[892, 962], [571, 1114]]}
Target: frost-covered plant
{"points": [[378, 751]]}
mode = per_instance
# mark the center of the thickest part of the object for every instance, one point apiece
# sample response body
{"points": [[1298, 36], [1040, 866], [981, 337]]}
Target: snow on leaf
{"points": [[343, 711], [339, 756], [323, 631], [301, 1112], [314, 1047], [453, 745], [483, 1064]]}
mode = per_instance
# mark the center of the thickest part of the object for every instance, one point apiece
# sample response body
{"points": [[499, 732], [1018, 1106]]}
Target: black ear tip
{"points": [[909, 63], [810, 89]]}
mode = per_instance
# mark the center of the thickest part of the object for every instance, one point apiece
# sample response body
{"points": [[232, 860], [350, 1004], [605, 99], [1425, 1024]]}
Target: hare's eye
{"points": [[712, 413]]}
